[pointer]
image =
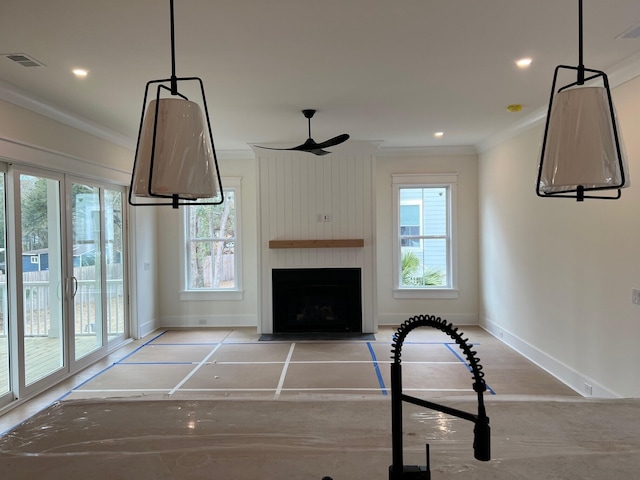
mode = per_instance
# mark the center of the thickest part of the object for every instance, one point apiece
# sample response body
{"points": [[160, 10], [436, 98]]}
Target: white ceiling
{"points": [[394, 71]]}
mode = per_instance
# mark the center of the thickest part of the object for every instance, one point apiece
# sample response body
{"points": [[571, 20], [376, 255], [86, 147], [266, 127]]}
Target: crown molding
{"points": [[427, 151], [235, 154], [15, 150], [528, 122], [14, 95], [626, 70]]}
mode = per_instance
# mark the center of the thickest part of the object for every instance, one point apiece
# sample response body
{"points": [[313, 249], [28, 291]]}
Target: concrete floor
{"points": [[218, 403]]}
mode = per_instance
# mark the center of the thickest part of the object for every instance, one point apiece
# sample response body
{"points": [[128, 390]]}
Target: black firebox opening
{"points": [[317, 300]]}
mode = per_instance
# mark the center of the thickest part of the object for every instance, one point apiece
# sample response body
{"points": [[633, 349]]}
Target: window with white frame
{"points": [[212, 246], [424, 235]]}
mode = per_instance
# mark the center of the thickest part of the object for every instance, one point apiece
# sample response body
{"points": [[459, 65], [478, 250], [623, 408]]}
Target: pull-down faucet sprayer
{"points": [[482, 430]]}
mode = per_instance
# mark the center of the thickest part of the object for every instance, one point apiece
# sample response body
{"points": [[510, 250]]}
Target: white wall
{"points": [[175, 312], [557, 275], [464, 309], [143, 278]]}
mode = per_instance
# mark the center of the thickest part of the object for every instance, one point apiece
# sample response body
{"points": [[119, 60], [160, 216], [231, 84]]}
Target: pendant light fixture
{"points": [[582, 154], [175, 162]]}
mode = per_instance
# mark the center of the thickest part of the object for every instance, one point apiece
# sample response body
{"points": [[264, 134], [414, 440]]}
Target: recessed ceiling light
{"points": [[438, 134], [80, 72], [523, 62]]}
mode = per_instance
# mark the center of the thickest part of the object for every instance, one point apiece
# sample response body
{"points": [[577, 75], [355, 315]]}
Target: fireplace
{"points": [[317, 300]]}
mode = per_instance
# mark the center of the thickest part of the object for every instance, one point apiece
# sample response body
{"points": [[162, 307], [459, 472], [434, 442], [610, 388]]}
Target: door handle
{"points": [[75, 286]]}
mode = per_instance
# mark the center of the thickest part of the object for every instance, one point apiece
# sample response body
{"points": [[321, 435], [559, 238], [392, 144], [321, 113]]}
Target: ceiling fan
{"points": [[310, 145]]}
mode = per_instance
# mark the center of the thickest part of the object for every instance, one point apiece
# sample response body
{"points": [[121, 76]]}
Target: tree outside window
{"points": [[211, 239], [423, 236]]}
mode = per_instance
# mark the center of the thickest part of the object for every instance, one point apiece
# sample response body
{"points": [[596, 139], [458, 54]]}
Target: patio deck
{"points": [[42, 354]]}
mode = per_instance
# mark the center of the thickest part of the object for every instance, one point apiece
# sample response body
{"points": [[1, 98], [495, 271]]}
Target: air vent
{"points": [[24, 60], [633, 32]]}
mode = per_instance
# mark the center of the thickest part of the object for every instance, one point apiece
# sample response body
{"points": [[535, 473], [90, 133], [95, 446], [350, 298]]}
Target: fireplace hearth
{"points": [[317, 300]]}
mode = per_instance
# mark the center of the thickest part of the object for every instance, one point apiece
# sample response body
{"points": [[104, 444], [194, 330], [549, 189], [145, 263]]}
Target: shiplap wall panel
{"points": [[345, 207], [294, 189]]}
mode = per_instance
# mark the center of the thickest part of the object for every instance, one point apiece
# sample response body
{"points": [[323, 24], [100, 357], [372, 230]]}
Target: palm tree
{"points": [[410, 265], [410, 272]]}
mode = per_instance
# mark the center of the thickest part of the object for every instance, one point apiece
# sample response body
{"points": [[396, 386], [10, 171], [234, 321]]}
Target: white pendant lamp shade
{"points": [[181, 161], [581, 148]]}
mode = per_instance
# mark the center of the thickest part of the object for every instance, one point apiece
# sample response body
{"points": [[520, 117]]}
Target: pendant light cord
{"points": [[174, 82], [580, 46]]}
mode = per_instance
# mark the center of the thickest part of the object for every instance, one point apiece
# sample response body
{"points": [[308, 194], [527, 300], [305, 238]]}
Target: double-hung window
{"points": [[424, 236], [212, 255]]}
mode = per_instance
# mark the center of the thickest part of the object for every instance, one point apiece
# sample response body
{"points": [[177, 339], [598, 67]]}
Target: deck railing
{"points": [[36, 298]]}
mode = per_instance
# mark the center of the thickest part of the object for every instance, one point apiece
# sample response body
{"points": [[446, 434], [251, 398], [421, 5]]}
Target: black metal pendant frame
{"points": [[176, 200], [579, 192], [581, 71]]}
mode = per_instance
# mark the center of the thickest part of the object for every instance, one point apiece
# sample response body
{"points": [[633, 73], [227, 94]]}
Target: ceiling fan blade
{"points": [[333, 141], [273, 148], [318, 151], [301, 148], [310, 145]]}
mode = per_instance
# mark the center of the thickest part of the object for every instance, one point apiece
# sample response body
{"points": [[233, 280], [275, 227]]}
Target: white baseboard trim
{"points": [[209, 321], [559, 370], [147, 328], [455, 318]]}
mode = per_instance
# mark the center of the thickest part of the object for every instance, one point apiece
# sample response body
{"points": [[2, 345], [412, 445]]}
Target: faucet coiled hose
{"points": [[479, 384]]}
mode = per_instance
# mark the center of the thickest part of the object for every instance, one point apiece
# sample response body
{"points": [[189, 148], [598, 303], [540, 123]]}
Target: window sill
{"points": [[207, 295], [443, 293]]}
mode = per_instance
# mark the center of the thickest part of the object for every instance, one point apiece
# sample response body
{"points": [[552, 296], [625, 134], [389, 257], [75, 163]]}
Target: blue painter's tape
{"points": [[109, 367], [377, 369], [158, 363], [459, 357]]}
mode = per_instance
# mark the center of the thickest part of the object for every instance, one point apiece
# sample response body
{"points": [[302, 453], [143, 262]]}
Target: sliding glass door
{"points": [[114, 251], [39, 277], [62, 277], [96, 260], [86, 266], [5, 378], [97, 266]]}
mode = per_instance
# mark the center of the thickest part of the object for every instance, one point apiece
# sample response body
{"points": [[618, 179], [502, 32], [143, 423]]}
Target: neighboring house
{"points": [[83, 256], [35, 260]]}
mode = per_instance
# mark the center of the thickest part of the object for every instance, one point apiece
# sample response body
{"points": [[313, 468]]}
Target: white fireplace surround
{"points": [[308, 197]]}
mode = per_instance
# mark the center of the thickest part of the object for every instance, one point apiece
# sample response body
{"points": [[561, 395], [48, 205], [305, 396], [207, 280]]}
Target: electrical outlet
{"points": [[202, 321], [320, 217], [588, 389], [327, 217], [635, 296]]}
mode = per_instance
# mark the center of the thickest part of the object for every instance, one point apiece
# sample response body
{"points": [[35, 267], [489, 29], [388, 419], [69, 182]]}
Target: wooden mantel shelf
{"points": [[338, 243]]}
